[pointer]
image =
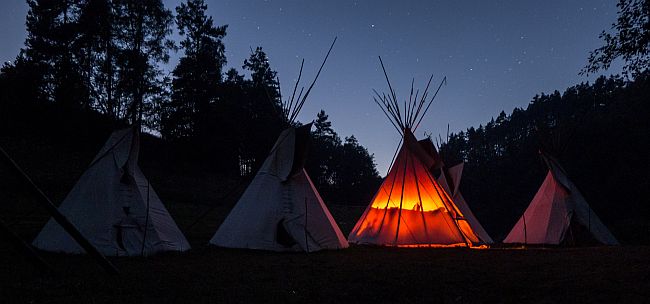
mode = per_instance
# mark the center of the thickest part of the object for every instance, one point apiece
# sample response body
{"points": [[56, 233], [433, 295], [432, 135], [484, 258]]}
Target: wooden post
{"points": [[27, 251], [60, 218]]}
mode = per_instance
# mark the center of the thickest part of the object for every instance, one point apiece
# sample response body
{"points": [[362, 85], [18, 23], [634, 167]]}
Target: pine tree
{"points": [[197, 76], [97, 42], [52, 32], [262, 75], [141, 32]]}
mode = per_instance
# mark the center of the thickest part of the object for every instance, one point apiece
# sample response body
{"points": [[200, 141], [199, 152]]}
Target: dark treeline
{"points": [[598, 131], [91, 61]]}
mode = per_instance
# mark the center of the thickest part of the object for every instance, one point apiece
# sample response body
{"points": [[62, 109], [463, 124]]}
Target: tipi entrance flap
{"points": [[280, 160], [455, 174], [301, 148]]}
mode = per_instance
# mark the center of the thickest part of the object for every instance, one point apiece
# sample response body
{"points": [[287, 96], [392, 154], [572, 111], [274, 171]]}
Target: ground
{"points": [[357, 274]]}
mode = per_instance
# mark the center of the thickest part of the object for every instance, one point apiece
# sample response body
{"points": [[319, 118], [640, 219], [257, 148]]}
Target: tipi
{"points": [[114, 207], [559, 214], [281, 209], [411, 208]]}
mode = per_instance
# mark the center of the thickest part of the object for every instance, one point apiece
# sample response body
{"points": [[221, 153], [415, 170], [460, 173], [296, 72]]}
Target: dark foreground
{"points": [[359, 274]]}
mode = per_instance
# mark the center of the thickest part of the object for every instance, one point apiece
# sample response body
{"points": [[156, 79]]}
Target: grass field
{"points": [[358, 274]]}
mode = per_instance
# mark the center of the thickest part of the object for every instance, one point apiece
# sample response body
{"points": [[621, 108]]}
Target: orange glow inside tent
{"points": [[412, 209]]}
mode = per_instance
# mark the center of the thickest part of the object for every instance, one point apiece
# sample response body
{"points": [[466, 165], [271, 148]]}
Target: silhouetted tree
{"points": [[19, 84], [325, 153], [98, 44], [141, 32], [357, 178], [629, 41], [261, 73], [261, 104], [52, 31], [197, 76], [343, 171]]}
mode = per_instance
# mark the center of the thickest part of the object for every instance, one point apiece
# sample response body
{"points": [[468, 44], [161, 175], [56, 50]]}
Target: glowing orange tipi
{"points": [[411, 208]]}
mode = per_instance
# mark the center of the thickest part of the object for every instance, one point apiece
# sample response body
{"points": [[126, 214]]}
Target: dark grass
{"points": [[358, 274]]}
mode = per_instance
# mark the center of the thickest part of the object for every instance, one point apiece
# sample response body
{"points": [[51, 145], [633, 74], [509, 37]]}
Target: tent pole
{"points": [[446, 202], [27, 251], [146, 219], [401, 199], [589, 218], [392, 162], [306, 239], [454, 218], [417, 187], [60, 218]]}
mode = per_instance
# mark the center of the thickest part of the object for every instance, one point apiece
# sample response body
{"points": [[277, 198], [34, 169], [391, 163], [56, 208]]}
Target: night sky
{"points": [[496, 54]]}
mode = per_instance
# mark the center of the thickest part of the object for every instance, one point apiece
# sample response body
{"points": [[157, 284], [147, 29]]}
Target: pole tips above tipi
{"points": [[410, 114], [292, 106]]}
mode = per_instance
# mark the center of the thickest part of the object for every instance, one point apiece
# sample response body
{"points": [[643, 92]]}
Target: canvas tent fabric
{"points": [[450, 181], [281, 209], [115, 207], [557, 209], [411, 208], [449, 178]]}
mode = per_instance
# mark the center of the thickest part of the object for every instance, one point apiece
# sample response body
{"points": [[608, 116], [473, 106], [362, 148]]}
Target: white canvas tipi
{"points": [[114, 207], [558, 214], [281, 209]]}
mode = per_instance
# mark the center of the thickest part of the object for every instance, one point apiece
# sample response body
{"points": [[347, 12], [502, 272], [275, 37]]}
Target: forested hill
{"points": [[600, 133], [96, 65]]}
